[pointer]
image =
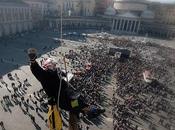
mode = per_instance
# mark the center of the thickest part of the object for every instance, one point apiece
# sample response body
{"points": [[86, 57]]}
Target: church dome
{"points": [[130, 5], [128, 15], [110, 11]]}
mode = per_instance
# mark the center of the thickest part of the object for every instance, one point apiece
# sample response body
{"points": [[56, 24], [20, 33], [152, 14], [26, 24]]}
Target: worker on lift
{"points": [[50, 77]]}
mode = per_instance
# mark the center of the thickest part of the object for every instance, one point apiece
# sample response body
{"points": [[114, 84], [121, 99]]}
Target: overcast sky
{"points": [[164, 1]]}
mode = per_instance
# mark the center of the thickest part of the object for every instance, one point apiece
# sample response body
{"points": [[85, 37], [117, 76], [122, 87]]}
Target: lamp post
{"points": [[73, 120]]}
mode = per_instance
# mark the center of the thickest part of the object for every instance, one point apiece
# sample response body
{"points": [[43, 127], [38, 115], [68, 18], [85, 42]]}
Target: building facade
{"points": [[80, 23], [126, 24], [164, 13], [39, 9], [132, 17], [14, 18], [72, 7], [139, 17], [126, 16], [163, 23], [76, 14]]}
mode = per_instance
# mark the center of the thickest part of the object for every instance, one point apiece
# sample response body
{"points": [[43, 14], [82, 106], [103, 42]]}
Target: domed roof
{"points": [[142, 1], [110, 11], [128, 15], [147, 14], [130, 5]]}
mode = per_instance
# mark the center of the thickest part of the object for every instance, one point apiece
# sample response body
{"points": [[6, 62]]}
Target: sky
{"points": [[164, 1]]}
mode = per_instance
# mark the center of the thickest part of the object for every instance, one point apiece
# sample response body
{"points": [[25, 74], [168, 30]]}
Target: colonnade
{"points": [[123, 25]]}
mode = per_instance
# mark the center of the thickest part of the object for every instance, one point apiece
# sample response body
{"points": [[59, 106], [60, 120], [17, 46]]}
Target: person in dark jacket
{"points": [[50, 82], [50, 77]]}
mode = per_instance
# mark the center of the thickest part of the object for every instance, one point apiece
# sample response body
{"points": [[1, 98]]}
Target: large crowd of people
{"points": [[137, 99], [90, 73], [134, 100], [133, 97]]}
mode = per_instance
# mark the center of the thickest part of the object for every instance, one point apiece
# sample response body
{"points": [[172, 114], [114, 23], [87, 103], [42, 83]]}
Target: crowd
{"points": [[18, 97], [87, 82], [133, 98], [136, 99], [90, 73]]}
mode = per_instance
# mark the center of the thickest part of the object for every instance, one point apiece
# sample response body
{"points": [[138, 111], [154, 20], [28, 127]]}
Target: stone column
{"points": [[112, 28], [120, 26], [123, 25], [56, 24], [127, 25], [50, 23], [116, 24], [138, 27], [130, 30], [167, 35], [18, 16], [134, 27], [24, 14]]}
